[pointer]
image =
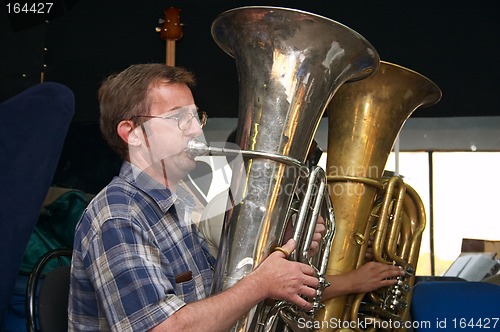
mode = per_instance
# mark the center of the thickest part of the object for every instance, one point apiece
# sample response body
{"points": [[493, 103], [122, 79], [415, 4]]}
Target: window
{"points": [[465, 200]]}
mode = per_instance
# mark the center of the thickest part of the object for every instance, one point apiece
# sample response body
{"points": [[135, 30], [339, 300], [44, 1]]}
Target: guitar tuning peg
{"points": [[161, 20], [158, 29]]}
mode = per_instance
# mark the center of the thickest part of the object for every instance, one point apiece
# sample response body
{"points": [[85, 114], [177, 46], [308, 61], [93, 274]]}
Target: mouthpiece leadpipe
{"points": [[196, 148]]}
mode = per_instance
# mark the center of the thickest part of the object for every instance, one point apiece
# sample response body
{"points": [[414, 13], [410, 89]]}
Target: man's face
{"points": [[163, 140]]}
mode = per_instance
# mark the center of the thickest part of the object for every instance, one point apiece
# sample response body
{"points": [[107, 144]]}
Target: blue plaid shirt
{"points": [[137, 257]]}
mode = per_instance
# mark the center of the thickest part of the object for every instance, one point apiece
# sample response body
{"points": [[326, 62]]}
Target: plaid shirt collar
{"points": [[157, 191]]}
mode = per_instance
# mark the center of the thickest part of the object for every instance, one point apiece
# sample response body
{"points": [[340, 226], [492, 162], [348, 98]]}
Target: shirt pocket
{"points": [[186, 290]]}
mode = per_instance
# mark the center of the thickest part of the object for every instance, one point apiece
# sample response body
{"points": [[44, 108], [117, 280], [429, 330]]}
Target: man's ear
{"points": [[126, 130]]}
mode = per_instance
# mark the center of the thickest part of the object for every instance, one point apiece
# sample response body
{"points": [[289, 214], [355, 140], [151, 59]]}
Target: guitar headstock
{"points": [[172, 26]]}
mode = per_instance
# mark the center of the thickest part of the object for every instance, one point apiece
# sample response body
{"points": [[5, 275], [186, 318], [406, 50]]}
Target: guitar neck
{"points": [[170, 51]]}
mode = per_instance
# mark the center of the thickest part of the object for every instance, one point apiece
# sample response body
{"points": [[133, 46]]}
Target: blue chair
{"points": [[33, 127], [455, 305]]}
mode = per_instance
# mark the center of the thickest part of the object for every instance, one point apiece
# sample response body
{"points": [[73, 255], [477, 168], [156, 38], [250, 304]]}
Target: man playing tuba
{"points": [[139, 263]]}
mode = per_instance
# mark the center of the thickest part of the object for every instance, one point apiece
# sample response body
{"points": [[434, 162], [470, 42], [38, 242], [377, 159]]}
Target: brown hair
{"points": [[126, 94]]}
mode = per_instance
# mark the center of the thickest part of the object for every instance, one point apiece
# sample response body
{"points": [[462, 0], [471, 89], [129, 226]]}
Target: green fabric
{"points": [[55, 228]]}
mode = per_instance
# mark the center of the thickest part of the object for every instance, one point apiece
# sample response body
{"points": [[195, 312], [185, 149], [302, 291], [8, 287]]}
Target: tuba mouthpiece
{"points": [[196, 148]]}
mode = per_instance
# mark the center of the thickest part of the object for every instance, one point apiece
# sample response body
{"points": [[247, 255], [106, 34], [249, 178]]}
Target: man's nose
{"points": [[194, 128]]}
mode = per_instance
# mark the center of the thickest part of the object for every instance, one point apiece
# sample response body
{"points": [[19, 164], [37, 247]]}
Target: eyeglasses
{"points": [[184, 120]]}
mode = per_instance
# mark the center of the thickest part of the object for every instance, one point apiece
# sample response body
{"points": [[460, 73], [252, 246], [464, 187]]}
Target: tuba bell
{"points": [[289, 63], [364, 119]]}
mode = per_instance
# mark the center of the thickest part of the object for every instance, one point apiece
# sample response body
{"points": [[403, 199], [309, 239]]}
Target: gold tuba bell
{"points": [[289, 63], [364, 119]]}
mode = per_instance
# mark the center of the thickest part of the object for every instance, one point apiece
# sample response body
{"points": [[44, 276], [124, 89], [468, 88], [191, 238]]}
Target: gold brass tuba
{"points": [[289, 63], [364, 119]]}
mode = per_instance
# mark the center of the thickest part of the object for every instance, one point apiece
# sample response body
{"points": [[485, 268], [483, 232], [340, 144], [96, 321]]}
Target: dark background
{"points": [[454, 43]]}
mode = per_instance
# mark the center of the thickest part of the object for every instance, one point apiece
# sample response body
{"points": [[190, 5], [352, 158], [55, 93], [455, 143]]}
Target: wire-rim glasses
{"points": [[184, 120]]}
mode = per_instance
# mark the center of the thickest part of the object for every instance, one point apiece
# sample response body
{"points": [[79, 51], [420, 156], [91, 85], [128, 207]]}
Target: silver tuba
{"points": [[289, 63]]}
